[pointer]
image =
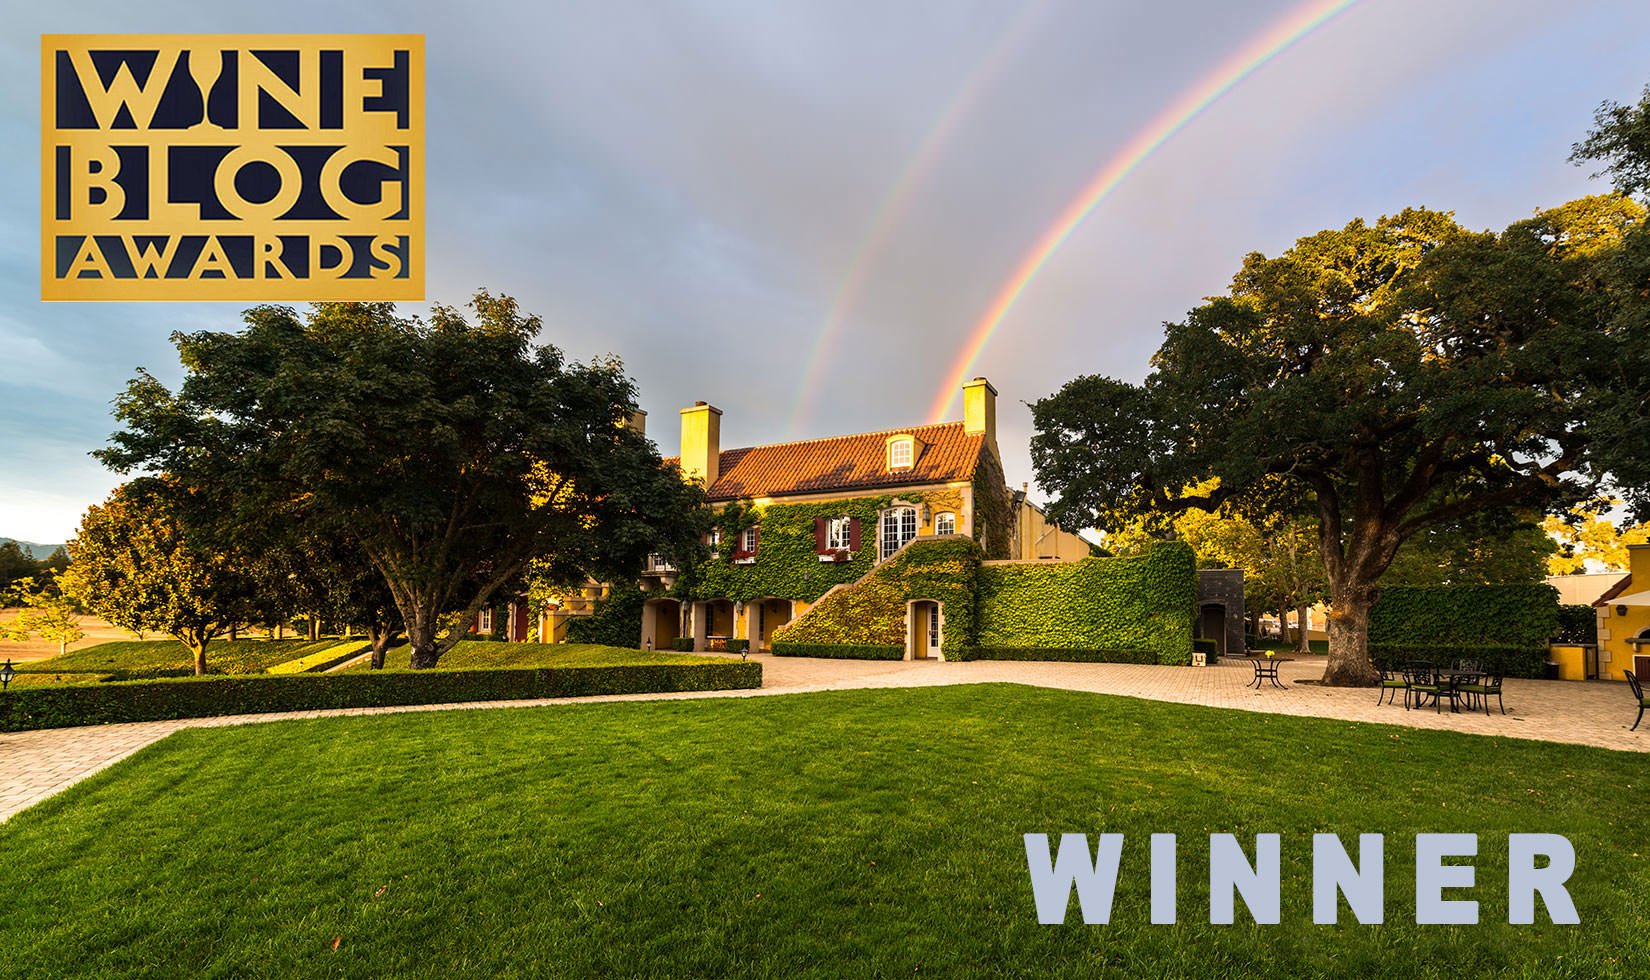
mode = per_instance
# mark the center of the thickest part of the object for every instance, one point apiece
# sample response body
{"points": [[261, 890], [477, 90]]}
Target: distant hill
{"points": [[34, 550]]}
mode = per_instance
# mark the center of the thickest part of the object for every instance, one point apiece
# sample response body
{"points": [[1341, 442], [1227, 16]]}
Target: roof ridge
{"points": [[851, 435]]}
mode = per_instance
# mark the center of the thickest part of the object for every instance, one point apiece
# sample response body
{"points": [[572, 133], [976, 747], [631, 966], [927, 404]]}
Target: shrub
{"points": [[201, 697], [1510, 660], [616, 622], [838, 651], [1063, 655], [1576, 624], [1465, 616], [684, 644], [738, 646]]}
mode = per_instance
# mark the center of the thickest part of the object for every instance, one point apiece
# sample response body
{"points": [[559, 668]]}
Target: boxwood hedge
{"points": [[201, 697], [1511, 661], [839, 651], [1064, 655]]}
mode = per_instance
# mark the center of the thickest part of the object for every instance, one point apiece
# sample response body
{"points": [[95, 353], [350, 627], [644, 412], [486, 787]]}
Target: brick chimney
{"points": [[702, 443]]}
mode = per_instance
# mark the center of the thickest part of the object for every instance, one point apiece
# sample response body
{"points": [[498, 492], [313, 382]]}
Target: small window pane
{"points": [[899, 454]]}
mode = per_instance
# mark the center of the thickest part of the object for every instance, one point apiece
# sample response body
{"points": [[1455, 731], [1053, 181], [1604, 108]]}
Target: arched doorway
{"points": [[661, 624], [1211, 625], [925, 630]]}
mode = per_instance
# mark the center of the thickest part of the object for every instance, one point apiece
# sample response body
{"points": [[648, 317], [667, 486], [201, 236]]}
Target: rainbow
{"points": [[891, 209], [1206, 92]]}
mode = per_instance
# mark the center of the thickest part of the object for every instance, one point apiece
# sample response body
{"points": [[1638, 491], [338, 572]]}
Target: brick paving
{"points": [[37, 764]]}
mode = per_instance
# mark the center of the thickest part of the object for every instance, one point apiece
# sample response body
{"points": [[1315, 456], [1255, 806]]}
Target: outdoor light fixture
{"points": [[6, 674]]}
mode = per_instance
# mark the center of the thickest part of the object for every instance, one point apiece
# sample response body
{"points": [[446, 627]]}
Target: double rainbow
{"points": [[1257, 52]]}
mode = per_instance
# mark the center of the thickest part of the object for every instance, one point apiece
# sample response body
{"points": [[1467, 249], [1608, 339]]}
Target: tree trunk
{"points": [[421, 635], [382, 637], [1303, 642], [314, 629], [198, 648], [234, 633], [1349, 664]]}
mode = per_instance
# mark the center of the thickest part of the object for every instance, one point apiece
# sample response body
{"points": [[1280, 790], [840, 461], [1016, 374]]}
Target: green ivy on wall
{"points": [[616, 620], [1518, 615], [993, 508], [787, 563], [871, 612], [1143, 603]]}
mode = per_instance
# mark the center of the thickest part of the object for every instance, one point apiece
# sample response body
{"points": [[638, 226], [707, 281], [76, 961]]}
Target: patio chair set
{"points": [[1463, 682]]}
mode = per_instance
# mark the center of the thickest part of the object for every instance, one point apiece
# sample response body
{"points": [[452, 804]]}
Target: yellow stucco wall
{"points": [[1617, 624]]}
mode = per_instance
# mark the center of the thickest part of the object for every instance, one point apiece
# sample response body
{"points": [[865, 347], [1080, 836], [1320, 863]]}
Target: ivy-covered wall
{"points": [[787, 563], [993, 508], [616, 620], [871, 612], [1140, 604], [1466, 616]]}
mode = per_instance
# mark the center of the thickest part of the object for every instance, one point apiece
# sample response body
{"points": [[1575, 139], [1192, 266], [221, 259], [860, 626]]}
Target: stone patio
{"points": [[37, 764]]}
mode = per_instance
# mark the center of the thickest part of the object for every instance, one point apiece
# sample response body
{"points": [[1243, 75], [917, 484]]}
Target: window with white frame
{"points": [[714, 538], [945, 523], [899, 454], [484, 622], [747, 541], [839, 534], [898, 527]]}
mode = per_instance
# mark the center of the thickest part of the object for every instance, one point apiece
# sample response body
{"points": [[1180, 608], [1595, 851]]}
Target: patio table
{"points": [[1266, 669]]}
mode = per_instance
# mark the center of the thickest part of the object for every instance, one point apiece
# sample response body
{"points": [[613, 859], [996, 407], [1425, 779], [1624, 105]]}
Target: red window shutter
{"points": [[819, 534], [853, 534]]}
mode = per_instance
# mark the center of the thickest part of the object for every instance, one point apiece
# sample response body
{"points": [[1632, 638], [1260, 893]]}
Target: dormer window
{"points": [[902, 452]]}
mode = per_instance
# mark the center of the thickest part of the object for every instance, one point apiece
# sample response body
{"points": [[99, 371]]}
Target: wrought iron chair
{"points": [[1481, 687], [1392, 681], [1421, 682], [1638, 695]]}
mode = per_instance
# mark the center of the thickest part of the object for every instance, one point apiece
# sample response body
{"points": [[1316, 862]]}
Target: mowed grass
{"points": [[154, 657], [486, 653], [857, 833]]}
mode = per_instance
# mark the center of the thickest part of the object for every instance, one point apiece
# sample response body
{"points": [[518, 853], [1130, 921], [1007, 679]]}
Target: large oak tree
{"points": [[450, 453], [1401, 376]]}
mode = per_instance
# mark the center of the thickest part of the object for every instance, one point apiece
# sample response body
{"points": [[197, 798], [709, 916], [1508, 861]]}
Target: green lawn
{"points": [[486, 653], [151, 657], [838, 834]]}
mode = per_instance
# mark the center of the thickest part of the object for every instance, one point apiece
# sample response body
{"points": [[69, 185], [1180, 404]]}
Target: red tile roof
{"points": [[1614, 590], [857, 462]]}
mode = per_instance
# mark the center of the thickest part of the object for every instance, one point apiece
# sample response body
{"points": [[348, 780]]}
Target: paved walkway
{"points": [[37, 764]]}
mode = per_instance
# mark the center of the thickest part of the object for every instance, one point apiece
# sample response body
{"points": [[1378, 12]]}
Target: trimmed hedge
{"points": [[738, 646], [1465, 616], [1062, 655], [683, 644], [203, 697], [1512, 661], [1577, 624], [839, 651]]}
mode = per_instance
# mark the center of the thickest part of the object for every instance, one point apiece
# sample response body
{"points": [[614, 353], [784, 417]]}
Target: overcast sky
{"points": [[697, 187]]}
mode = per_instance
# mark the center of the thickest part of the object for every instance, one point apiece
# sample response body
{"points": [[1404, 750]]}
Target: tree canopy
{"points": [[136, 566], [451, 453], [1401, 375]]}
